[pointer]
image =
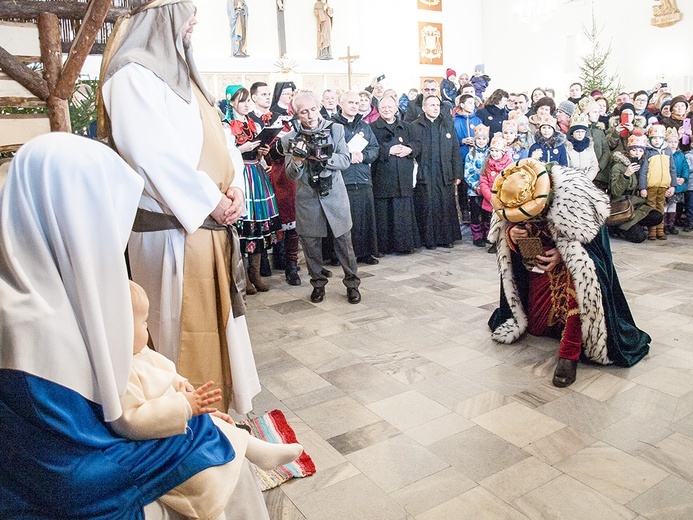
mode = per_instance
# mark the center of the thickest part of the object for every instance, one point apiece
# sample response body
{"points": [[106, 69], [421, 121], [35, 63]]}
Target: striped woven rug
{"points": [[273, 427]]}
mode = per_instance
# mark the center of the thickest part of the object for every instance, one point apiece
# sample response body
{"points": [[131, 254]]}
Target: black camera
{"points": [[317, 150]]}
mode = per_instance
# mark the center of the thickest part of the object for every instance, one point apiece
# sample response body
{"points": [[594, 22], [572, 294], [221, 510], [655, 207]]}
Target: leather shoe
{"points": [[565, 372], [317, 295], [353, 295], [326, 273], [368, 260]]}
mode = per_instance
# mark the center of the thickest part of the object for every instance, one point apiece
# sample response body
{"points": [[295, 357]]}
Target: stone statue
{"points": [[238, 19], [323, 14]]}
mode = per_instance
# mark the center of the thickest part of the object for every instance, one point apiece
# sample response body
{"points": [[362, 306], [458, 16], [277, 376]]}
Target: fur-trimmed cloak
{"points": [[575, 217]]}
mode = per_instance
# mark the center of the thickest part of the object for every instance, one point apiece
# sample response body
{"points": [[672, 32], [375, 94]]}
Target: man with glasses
{"points": [[414, 108], [640, 103]]}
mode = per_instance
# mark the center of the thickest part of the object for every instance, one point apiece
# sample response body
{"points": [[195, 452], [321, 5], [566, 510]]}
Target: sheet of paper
{"points": [[357, 143]]}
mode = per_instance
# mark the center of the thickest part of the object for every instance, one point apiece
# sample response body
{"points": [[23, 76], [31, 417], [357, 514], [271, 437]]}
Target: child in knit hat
{"points": [[480, 80], [657, 177], [498, 160], [448, 86], [682, 175], [579, 147], [524, 134], [564, 111], [549, 144], [515, 147], [473, 165]]}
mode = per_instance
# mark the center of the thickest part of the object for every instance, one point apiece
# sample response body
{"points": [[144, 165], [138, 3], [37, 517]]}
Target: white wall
{"points": [[382, 32], [520, 56]]}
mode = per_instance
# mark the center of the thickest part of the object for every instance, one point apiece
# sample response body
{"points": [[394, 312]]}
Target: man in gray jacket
{"points": [[317, 154]]}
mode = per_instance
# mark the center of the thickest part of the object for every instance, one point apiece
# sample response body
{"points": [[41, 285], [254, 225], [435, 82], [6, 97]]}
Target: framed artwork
{"points": [[430, 43], [431, 5]]}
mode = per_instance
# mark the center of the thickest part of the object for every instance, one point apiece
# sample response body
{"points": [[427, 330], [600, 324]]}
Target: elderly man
{"points": [[357, 177], [163, 123], [329, 104], [317, 154]]}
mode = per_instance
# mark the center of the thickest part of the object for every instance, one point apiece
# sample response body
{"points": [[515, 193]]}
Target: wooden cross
{"points": [[349, 59]]}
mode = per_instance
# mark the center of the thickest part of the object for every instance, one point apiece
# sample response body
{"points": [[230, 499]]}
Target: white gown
{"points": [[160, 136]]}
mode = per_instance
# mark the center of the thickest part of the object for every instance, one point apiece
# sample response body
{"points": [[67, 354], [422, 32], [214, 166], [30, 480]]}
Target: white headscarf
{"points": [[66, 211]]}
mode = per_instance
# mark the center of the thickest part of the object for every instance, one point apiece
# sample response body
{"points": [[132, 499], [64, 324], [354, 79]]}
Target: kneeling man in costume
{"points": [[557, 274]]}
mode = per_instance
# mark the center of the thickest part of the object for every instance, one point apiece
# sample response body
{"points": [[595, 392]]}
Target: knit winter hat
{"points": [[680, 99], [665, 103], [480, 67], [627, 106], [637, 139], [480, 130], [587, 104], [656, 131], [567, 107], [521, 191], [548, 121], [450, 72], [671, 133], [510, 124], [498, 142], [578, 122]]}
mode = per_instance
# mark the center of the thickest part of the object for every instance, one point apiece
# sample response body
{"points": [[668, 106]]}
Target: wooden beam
{"points": [[23, 75], [82, 44], [20, 102], [30, 9], [17, 129], [52, 57]]}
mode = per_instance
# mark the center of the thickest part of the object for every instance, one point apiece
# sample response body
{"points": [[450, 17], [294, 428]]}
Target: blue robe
{"points": [[60, 460]]}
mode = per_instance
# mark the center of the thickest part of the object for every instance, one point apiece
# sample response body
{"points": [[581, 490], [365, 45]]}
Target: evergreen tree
{"points": [[594, 68]]}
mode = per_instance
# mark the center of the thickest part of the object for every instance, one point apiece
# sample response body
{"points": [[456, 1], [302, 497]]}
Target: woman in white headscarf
{"points": [[66, 332]]}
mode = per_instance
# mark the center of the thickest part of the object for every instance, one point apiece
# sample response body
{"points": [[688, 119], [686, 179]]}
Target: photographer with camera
{"points": [[316, 155]]}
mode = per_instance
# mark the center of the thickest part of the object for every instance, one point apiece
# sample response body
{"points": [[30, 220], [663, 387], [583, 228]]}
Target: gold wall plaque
{"points": [[665, 13]]}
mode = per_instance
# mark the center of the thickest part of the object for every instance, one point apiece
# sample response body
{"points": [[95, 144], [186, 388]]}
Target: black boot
{"points": [[565, 372], [265, 269], [279, 256], [291, 273]]}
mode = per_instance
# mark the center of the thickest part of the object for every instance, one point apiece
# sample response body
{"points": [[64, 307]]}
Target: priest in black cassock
{"points": [[439, 170]]}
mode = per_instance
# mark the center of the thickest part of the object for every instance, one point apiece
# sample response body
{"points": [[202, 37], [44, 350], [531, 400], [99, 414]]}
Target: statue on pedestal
{"points": [[323, 14], [238, 19]]}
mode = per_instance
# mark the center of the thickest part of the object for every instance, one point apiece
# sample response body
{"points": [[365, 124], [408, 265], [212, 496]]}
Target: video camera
{"points": [[317, 151]]}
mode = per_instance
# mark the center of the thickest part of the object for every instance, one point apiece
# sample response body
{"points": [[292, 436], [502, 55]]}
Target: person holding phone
{"points": [[544, 242], [621, 127]]}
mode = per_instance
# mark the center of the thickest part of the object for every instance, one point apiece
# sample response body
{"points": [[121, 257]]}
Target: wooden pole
{"points": [[51, 57], [93, 21], [23, 75]]}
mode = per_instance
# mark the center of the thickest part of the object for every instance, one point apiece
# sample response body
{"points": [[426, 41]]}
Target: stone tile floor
{"points": [[411, 411]]}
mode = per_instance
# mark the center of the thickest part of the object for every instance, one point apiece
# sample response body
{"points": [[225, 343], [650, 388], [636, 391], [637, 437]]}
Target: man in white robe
{"points": [[157, 105]]}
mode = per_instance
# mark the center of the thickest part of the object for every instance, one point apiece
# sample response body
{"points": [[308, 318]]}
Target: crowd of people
{"points": [[418, 158]]}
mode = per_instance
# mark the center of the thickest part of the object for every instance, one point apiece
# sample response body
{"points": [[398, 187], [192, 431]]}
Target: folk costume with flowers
{"points": [[580, 300]]}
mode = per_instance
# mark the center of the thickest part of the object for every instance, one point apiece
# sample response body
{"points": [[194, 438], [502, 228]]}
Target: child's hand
{"points": [[632, 168], [669, 192], [201, 399], [536, 154], [679, 181], [643, 194]]}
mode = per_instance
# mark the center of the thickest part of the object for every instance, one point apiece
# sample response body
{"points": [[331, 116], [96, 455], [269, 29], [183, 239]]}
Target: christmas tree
{"points": [[594, 68]]}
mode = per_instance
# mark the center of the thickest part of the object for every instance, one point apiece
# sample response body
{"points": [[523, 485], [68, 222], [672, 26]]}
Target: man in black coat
{"points": [[357, 177], [439, 170], [393, 186]]}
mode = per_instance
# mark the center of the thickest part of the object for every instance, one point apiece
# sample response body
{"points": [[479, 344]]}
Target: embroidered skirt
{"points": [[258, 228]]}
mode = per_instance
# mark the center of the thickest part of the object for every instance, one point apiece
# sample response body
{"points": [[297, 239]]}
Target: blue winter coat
{"points": [[464, 126], [473, 165], [552, 150]]}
